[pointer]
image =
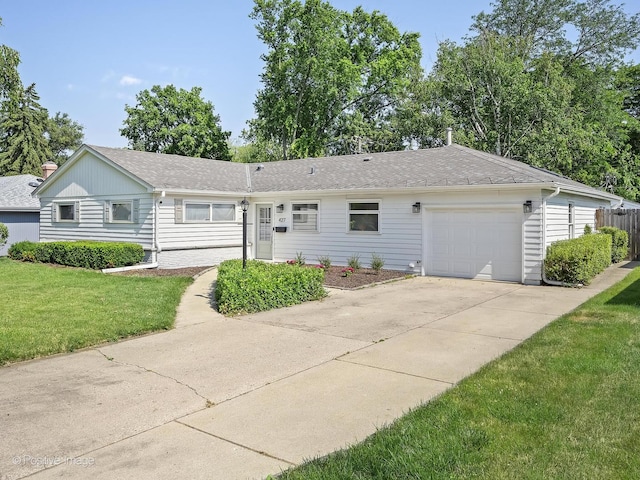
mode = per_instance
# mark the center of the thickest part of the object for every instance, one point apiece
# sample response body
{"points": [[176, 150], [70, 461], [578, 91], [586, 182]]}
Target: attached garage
{"points": [[474, 243], [19, 210]]}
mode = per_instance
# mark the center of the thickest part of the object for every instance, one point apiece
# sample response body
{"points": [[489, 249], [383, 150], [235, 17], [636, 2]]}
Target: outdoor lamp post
{"points": [[245, 206]]}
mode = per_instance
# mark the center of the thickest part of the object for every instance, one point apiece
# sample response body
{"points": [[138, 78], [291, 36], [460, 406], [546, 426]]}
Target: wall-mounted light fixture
{"points": [[280, 208], [527, 207], [415, 208]]}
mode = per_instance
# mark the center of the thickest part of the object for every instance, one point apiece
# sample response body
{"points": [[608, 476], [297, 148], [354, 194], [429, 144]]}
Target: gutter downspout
{"points": [[156, 214], [544, 244]]}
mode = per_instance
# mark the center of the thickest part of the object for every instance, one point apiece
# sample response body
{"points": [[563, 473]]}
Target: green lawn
{"points": [[565, 404], [46, 309]]}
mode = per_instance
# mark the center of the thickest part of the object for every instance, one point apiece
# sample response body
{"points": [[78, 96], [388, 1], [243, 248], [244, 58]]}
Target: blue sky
{"points": [[90, 58]]}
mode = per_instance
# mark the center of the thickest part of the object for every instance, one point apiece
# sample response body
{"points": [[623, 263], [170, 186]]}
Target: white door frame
{"points": [[264, 233]]}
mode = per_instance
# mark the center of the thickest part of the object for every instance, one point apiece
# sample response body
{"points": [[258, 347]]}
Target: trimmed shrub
{"points": [[85, 254], [619, 243], [262, 286], [24, 251], [4, 234], [578, 260]]}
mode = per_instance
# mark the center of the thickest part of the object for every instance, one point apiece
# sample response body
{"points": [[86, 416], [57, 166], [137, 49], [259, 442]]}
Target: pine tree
{"points": [[23, 146]]}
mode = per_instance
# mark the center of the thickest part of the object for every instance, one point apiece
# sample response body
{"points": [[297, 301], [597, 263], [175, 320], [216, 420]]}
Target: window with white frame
{"points": [[197, 212], [209, 212], [571, 221], [122, 212], [66, 212], [364, 216], [304, 217]]}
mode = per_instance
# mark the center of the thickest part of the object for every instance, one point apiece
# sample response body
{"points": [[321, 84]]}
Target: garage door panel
{"points": [[482, 244]]}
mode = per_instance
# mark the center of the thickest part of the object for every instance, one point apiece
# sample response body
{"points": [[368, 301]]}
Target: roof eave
{"points": [[186, 191], [19, 209]]}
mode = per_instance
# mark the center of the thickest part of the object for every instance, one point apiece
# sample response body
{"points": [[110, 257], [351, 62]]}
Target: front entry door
{"points": [[264, 242]]}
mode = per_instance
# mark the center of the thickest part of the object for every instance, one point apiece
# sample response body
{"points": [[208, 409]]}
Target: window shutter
{"points": [[54, 213], [135, 211], [107, 212], [178, 210], [76, 212]]}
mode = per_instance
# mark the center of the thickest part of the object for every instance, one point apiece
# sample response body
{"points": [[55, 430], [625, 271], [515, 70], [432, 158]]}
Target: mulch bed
{"points": [[333, 277], [164, 272]]}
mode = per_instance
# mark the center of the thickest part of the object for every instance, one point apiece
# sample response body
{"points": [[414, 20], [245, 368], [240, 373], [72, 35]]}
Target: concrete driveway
{"points": [[249, 396]]}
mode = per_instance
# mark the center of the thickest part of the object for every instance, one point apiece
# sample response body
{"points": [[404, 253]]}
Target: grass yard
{"points": [[46, 309], [565, 404]]}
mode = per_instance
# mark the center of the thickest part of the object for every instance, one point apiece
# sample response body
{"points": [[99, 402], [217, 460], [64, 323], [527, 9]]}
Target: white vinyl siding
{"points": [[304, 217], [93, 225], [399, 240], [91, 177], [176, 231], [557, 216]]}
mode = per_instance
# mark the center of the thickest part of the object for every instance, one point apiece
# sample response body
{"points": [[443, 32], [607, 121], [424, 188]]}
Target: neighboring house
{"points": [[19, 210], [449, 211]]}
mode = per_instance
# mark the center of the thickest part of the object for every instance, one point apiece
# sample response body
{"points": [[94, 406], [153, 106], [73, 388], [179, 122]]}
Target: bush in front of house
{"points": [[263, 286], [578, 260], [619, 243], [4, 234], [24, 251], [85, 254]]}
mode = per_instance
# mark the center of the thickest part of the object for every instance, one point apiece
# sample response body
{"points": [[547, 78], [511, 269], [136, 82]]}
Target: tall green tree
{"points": [[602, 31], [522, 87], [23, 145], [64, 136], [168, 120], [9, 77], [331, 79]]}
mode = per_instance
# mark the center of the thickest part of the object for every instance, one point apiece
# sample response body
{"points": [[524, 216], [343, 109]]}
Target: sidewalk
{"points": [[249, 396]]}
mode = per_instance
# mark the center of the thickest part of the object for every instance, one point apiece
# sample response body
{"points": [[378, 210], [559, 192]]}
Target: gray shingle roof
{"points": [[15, 193], [164, 171], [452, 165]]}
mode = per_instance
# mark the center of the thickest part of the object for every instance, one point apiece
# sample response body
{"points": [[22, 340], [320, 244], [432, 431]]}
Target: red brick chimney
{"points": [[48, 168]]}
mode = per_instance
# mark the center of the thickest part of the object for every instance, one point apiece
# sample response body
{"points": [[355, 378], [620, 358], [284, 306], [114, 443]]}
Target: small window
{"points": [[224, 212], [364, 216], [67, 212], [210, 212], [304, 217], [121, 212], [197, 212], [571, 221]]}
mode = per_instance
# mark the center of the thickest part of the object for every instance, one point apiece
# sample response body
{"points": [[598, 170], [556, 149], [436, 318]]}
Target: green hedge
{"points": [[262, 286], [24, 250], [619, 243], [85, 254], [578, 260]]}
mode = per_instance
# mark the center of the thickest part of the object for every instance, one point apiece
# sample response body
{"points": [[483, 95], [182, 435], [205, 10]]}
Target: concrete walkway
{"points": [[236, 398]]}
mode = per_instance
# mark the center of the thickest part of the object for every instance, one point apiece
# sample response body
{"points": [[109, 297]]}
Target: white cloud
{"points": [[127, 80]]}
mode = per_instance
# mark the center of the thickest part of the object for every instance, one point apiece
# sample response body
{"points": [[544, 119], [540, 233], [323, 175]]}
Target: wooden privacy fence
{"points": [[624, 219]]}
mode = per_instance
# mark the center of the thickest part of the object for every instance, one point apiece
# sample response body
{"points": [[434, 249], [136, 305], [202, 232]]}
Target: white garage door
{"points": [[483, 244]]}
